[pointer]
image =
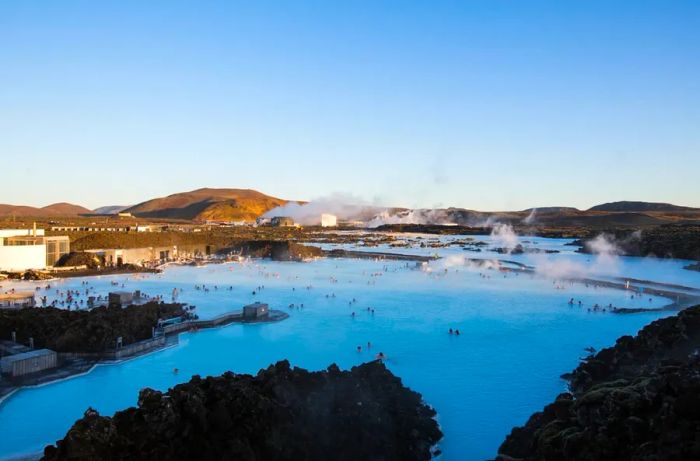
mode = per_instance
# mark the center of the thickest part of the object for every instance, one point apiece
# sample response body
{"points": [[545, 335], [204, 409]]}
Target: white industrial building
{"points": [[24, 249], [328, 220]]}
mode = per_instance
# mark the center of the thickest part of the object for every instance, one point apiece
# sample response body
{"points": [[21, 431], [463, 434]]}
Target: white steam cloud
{"points": [[504, 236], [603, 245], [605, 261], [531, 218], [420, 216], [344, 207]]}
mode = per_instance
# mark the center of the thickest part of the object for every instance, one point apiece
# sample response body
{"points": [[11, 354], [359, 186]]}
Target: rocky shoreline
{"points": [[667, 241], [282, 413], [693, 267], [276, 250], [639, 399], [82, 330], [85, 338]]}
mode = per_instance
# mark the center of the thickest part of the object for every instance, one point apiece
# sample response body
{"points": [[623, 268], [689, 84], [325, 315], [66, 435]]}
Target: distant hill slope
{"points": [[209, 204], [110, 209], [552, 209], [640, 207], [56, 209]]}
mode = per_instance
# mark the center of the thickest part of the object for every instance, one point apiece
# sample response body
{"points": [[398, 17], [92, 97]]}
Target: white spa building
{"points": [[24, 249]]}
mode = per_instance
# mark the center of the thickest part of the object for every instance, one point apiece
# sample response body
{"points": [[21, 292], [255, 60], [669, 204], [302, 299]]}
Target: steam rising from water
{"points": [[530, 219], [464, 262], [420, 216], [352, 209], [342, 206], [504, 236], [605, 261], [603, 245]]}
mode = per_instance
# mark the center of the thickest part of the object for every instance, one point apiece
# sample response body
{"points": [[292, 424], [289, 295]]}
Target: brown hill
{"points": [[209, 204], [65, 209], [627, 206], [56, 209]]}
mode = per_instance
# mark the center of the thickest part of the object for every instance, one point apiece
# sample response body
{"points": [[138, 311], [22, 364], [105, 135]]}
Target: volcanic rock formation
{"points": [[281, 414]]}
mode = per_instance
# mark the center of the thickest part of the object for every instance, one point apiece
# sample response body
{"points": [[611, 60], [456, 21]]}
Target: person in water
{"points": [[381, 356], [450, 331]]}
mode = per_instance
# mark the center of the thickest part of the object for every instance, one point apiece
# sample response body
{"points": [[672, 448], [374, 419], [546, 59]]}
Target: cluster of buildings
{"points": [[96, 228], [31, 249], [147, 256], [24, 249]]}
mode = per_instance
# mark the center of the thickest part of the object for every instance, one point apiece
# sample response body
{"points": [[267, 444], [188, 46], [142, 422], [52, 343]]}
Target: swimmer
{"points": [[381, 356]]}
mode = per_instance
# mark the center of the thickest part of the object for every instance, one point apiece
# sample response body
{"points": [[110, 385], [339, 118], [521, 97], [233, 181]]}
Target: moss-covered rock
{"points": [[638, 400]]}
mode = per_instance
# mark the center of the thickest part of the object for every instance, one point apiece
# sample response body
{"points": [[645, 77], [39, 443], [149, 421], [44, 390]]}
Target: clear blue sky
{"points": [[480, 104]]}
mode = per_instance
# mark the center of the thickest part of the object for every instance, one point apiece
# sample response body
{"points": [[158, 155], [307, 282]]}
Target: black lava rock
{"points": [[281, 414], [638, 400]]}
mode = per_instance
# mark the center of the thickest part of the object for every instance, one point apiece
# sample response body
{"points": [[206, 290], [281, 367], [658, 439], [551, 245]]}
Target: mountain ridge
{"points": [[55, 209], [215, 204], [232, 204], [639, 207]]}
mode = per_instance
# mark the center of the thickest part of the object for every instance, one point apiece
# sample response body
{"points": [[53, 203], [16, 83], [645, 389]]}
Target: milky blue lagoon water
{"points": [[519, 334]]}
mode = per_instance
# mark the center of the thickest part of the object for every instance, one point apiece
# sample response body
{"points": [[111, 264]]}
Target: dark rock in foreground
{"points": [[280, 414], [638, 400]]}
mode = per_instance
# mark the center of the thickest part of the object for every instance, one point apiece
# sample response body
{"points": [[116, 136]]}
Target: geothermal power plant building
{"points": [[329, 220]]}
